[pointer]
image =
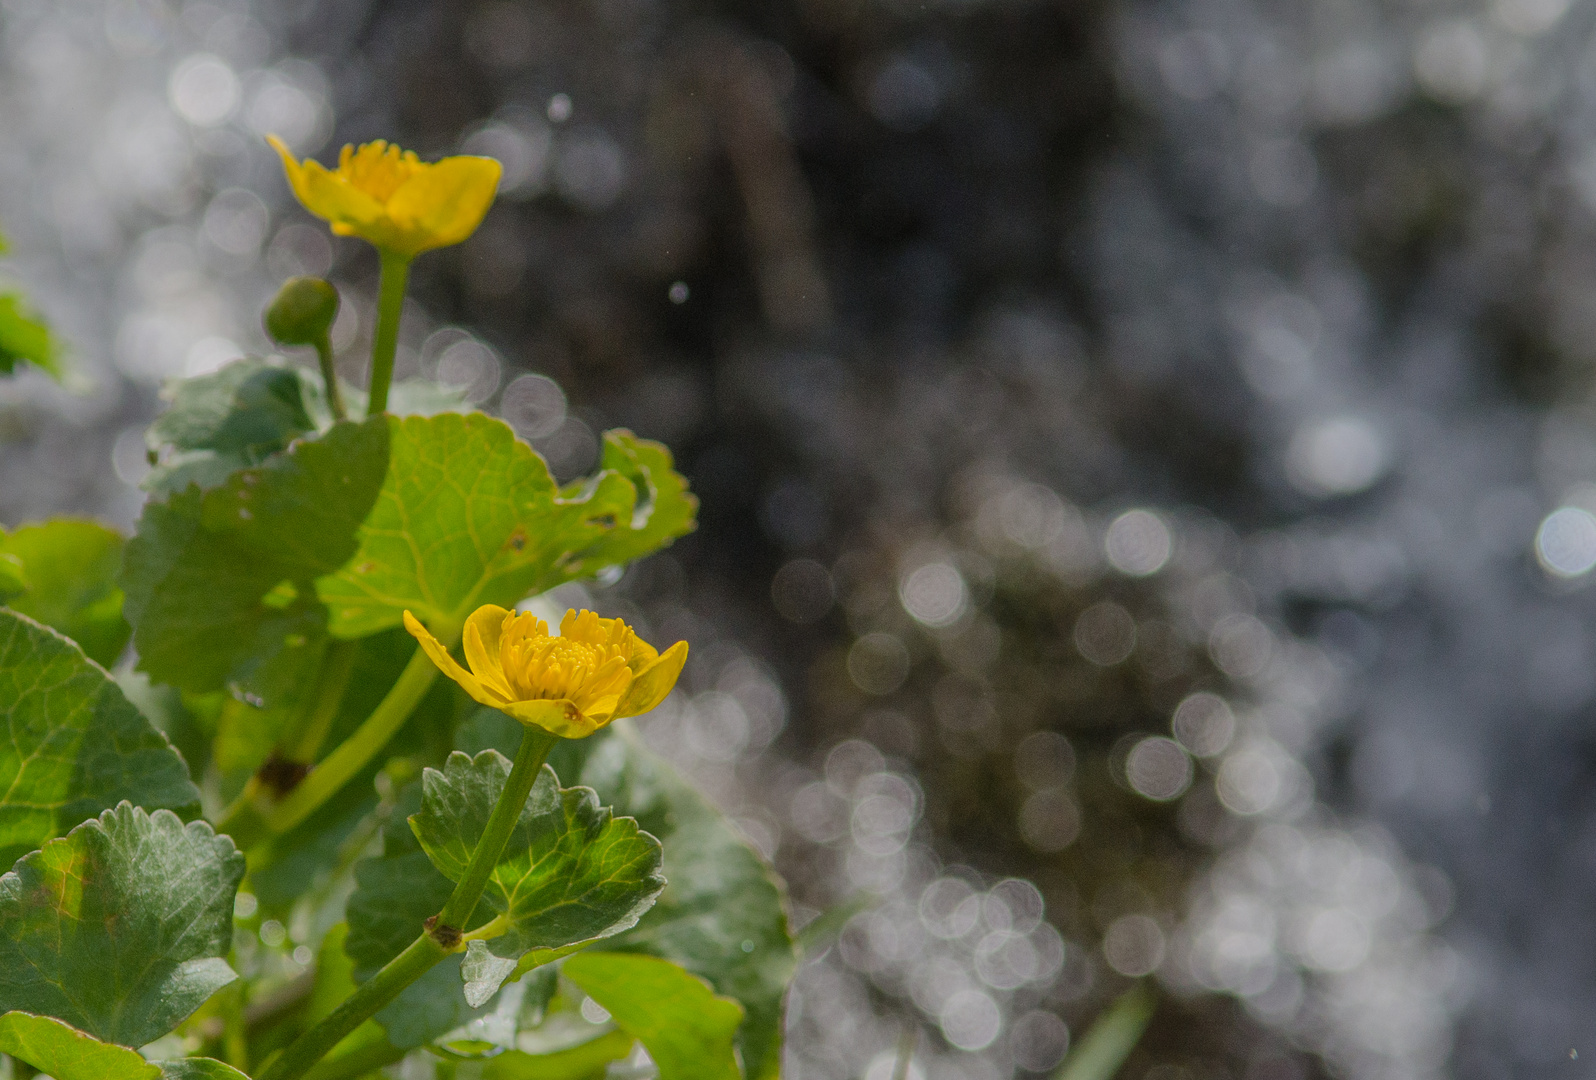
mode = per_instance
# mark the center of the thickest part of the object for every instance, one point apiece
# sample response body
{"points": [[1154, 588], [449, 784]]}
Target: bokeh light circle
{"points": [[1565, 544], [1138, 543]]}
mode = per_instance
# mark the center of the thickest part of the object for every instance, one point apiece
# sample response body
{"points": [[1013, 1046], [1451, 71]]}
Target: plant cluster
{"points": [[280, 845]]}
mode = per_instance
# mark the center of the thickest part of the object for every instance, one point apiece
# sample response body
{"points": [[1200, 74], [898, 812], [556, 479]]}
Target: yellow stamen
{"points": [[377, 168]]}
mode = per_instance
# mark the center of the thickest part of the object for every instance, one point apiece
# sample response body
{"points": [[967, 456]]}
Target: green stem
{"points": [[535, 746], [385, 341], [329, 374], [340, 766], [366, 1059], [418, 958], [442, 936], [331, 681]]}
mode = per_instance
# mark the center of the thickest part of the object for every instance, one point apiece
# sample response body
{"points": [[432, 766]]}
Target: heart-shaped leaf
{"points": [[119, 927], [687, 1029], [68, 570], [571, 873], [219, 582], [71, 745], [469, 515]]}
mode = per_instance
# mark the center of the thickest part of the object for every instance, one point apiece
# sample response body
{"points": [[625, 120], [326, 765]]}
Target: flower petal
{"points": [[602, 710], [481, 640], [560, 718], [650, 685], [444, 203], [485, 664], [489, 621], [327, 195], [446, 664]]}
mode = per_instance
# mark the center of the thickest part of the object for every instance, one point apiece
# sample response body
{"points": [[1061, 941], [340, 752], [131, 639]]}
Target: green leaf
{"points": [[26, 337], [468, 515], [664, 509], [64, 1052], [483, 973], [723, 914], [394, 896], [286, 865], [69, 572], [571, 873], [219, 582], [226, 421], [71, 745], [687, 1029], [119, 927], [197, 1068], [583, 1062]]}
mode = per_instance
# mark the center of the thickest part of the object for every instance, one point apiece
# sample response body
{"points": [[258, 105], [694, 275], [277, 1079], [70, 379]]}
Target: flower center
{"points": [[540, 667], [377, 168]]}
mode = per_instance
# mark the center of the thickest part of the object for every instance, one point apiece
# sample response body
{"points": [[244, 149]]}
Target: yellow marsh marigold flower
{"points": [[392, 198], [596, 671]]}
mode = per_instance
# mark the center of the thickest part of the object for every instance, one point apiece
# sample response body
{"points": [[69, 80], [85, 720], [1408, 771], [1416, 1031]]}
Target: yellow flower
{"points": [[595, 671], [392, 198]]}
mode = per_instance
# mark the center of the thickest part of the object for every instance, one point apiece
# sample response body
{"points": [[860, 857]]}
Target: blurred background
{"points": [[1147, 454]]}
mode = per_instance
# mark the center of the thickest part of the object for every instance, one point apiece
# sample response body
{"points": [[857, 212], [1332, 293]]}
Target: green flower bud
{"points": [[303, 311]]}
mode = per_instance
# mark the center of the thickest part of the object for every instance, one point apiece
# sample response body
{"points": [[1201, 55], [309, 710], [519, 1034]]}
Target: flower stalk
{"points": [[329, 375], [535, 747], [385, 340]]}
